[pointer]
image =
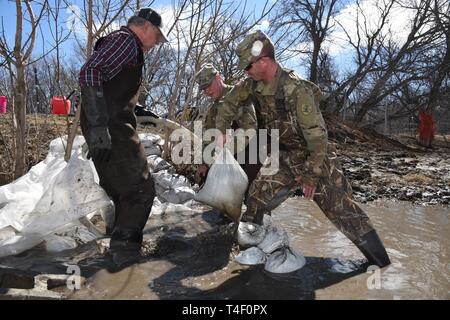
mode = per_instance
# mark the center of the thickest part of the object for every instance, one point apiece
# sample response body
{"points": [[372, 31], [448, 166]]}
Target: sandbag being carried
{"points": [[225, 185]]}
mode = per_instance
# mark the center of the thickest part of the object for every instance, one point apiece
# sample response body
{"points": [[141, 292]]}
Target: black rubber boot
{"points": [[373, 249], [125, 247]]}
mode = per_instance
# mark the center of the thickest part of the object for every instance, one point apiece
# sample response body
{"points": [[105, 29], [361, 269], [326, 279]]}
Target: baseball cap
{"points": [[154, 18]]}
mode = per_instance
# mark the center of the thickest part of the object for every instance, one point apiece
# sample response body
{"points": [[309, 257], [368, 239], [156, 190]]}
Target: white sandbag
{"points": [[150, 138], [225, 185], [251, 256], [159, 208], [152, 150], [250, 234], [178, 195], [276, 238], [55, 243], [167, 180], [156, 164], [284, 260]]}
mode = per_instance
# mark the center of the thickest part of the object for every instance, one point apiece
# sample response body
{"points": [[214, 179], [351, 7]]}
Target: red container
{"points": [[427, 129], [58, 105], [3, 102]]}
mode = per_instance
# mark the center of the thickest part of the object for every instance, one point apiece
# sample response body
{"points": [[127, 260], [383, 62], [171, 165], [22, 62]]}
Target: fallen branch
{"points": [[168, 124]]}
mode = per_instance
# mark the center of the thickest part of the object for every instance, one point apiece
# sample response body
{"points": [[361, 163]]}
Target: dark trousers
{"points": [[126, 178]]}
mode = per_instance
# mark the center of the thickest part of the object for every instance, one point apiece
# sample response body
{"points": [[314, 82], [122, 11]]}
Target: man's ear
{"points": [[264, 61]]}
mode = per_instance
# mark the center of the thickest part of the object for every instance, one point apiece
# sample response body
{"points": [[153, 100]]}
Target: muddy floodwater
{"points": [[417, 239], [189, 256]]}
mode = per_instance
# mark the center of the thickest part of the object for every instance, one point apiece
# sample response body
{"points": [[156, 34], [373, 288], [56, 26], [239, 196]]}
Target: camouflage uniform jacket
{"points": [[291, 105], [245, 117]]}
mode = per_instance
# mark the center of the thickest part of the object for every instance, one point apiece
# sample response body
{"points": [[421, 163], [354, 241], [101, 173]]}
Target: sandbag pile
{"points": [[173, 191], [269, 245], [53, 203]]}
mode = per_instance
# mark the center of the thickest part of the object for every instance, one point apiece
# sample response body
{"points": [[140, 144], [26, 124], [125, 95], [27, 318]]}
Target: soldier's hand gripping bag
{"points": [[225, 186]]}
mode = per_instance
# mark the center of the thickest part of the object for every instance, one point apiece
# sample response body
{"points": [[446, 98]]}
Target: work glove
{"points": [[96, 112], [99, 144]]}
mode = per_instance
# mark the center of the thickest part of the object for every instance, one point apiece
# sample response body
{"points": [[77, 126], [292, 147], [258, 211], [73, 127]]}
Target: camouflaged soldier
{"points": [[211, 83], [286, 102]]}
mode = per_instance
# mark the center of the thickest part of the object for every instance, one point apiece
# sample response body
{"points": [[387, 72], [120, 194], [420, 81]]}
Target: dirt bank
{"points": [[393, 167]]}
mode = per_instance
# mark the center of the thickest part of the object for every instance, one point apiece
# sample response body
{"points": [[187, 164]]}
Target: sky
{"points": [[337, 47], [8, 19]]}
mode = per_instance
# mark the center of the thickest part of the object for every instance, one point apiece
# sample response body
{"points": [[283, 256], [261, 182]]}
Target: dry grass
{"points": [[418, 179], [41, 129]]}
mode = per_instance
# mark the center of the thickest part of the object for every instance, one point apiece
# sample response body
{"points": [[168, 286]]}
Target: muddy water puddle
{"points": [[416, 238]]}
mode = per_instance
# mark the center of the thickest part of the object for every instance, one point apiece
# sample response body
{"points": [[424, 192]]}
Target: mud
{"points": [[419, 178], [190, 256]]}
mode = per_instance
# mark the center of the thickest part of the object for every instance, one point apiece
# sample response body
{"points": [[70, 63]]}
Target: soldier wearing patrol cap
{"points": [[284, 101], [211, 83]]}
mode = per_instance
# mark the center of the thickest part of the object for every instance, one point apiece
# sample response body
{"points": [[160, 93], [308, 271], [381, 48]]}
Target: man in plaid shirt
{"points": [[109, 83]]}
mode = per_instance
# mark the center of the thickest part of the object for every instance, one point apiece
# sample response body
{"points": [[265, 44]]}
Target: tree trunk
{"points": [[314, 61], [20, 107], [90, 31]]}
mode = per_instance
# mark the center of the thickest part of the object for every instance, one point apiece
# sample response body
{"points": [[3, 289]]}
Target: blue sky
{"points": [[8, 20], [338, 46]]}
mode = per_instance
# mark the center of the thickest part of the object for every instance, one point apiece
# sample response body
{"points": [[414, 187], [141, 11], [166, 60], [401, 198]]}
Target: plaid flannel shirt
{"points": [[118, 49]]}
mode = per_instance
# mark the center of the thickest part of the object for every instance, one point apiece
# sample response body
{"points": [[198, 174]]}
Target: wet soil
{"points": [[397, 168], [419, 178]]}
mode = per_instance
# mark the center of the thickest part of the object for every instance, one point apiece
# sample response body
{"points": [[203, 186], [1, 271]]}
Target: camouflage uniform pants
{"points": [[333, 196]]}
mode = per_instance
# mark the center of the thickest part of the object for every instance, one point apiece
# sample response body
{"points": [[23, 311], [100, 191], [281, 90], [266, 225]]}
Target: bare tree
{"points": [[418, 36], [315, 18], [98, 17], [441, 71], [19, 57]]}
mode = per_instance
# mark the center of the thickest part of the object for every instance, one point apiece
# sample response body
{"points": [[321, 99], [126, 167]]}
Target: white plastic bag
{"points": [[225, 185], [51, 195]]}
